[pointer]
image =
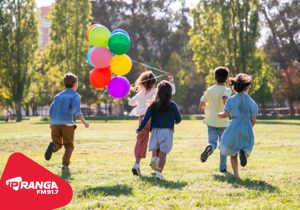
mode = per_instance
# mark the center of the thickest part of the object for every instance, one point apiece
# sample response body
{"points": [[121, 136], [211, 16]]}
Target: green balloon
{"points": [[99, 36], [119, 43]]}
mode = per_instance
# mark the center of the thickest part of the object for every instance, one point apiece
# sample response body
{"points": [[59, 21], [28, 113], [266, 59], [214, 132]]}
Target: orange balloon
{"points": [[89, 29]]}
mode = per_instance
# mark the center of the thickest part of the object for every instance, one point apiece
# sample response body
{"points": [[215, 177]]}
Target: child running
{"points": [[213, 102], [147, 90], [66, 104], [238, 137], [164, 114]]}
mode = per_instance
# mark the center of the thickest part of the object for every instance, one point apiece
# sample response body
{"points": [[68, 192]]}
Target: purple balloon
{"points": [[118, 87]]}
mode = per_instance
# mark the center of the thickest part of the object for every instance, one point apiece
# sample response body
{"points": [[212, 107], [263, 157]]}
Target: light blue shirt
{"points": [[64, 107]]}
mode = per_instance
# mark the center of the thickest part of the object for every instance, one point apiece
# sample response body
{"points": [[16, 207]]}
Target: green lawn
{"points": [[101, 167]]}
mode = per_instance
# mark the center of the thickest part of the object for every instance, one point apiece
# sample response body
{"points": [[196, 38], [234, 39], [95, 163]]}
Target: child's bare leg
{"points": [[234, 164], [162, 161], [155, 153], [137, 160]]}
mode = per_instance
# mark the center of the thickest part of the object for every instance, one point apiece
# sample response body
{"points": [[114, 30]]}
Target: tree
{"points": [[283, 46], [225, 34], [189, 83], [44, 83], [289, 84], [156, 30], [68, 45], [19, 38]]}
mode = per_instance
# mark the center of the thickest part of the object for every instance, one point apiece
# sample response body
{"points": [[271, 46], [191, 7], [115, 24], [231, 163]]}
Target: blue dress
{"points": [[239, 134]]}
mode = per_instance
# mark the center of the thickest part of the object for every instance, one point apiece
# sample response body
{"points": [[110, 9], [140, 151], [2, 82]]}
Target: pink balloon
{"points": [[100, 57]]}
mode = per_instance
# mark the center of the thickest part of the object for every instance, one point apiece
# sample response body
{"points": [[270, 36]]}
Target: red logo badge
{"points": [[27, 185]]}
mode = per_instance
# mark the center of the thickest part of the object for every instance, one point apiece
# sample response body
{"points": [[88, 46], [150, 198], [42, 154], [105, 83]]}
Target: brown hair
{"points": [[221, 74], [70, 80], [241, 82], [145, 81], [163, 97]]}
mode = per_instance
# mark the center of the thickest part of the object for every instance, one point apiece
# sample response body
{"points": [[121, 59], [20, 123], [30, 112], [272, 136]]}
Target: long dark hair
{"points": [[145, 81], [241, 82], [163, 97]]}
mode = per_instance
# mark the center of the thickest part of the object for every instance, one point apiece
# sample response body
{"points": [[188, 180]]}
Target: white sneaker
{"points": [[158, 175], [136, 170], [154, 163]]}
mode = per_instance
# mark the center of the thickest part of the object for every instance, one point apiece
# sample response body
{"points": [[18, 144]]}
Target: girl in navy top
{"points": [[164, 114]]}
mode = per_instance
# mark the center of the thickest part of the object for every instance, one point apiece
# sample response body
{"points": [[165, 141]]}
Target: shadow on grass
{"points": [[259, 185], [277, 123], [115, 190], [163, 183]]}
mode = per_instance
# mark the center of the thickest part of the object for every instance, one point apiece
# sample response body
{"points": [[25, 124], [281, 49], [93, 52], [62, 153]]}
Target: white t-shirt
{"points": [[142, 100], [213, 97]]}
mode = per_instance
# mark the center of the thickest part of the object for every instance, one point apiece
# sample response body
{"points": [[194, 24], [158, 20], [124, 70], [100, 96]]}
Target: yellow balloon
{"points": [[121, 64]]}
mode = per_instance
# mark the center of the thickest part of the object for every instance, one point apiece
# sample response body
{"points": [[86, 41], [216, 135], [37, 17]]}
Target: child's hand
{"points": [[86, 124], [171, 78], [220, 115]]}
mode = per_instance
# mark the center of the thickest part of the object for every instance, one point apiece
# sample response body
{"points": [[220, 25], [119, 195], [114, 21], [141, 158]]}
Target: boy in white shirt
{"points": [[213, 102]]}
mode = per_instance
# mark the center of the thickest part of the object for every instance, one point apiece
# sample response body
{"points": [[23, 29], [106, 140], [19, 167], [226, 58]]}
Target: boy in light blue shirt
{"points": [[65, 106], [213, 102]]}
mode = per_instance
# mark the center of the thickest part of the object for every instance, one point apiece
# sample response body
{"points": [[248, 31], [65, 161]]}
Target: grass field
{"points": [[102, 160]]}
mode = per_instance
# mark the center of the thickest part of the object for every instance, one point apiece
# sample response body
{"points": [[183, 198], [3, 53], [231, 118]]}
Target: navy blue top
{"points": [[162, 119], [65, 105]]}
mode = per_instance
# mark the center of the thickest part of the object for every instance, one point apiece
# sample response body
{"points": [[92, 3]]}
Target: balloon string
{"points": [[151, 78], [151, 67], [103, 93]]}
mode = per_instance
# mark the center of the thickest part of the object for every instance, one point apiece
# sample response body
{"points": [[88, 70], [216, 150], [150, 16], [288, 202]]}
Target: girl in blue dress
{"points": [[238, 138]]}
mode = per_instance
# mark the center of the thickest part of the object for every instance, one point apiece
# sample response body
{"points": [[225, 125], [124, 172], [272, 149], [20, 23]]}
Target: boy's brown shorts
{"points": [[63, 135]]}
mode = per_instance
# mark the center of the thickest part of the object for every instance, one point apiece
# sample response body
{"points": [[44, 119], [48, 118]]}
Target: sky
{"points": [[41, 3]]}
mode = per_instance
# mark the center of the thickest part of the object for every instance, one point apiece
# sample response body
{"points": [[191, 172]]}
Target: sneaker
{"points": [[154, 163], [65, 170], [207, 152], [223, 170], [158, 175], [49, 151], [136, 171], [243, 158]]}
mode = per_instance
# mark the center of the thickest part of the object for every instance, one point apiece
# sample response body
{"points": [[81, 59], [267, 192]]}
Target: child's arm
{"points": [[145, 120], [83, 121], [227, 109], [227, 93], [253, 121], [202, 105], [203, 100], [134, 100], [177, 114], [171, 80], [224, 114], [75, 105], [224, 99], [50, 110]]}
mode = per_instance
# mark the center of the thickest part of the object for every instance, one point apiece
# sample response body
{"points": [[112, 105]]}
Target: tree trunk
{"points": [[291, 106], [263, 110], [19, 112], [34, 110], [27, 110]]}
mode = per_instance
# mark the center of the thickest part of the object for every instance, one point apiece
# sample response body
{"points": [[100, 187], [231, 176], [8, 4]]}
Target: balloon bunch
{"points": [[107, 57]]}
